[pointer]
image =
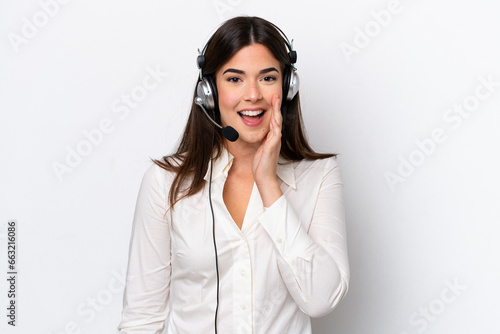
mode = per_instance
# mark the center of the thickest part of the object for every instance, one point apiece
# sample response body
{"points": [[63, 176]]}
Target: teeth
{"points": [[251, 113]]}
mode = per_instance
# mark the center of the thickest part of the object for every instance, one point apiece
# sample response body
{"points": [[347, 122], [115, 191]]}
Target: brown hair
{"points": [[191, 159]]}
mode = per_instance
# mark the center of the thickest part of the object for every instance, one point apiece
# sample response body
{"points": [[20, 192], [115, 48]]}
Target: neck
{"points": [[243, 158]]}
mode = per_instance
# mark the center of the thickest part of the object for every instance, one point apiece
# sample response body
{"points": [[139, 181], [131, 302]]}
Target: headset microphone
{"points": [[228, 132]]}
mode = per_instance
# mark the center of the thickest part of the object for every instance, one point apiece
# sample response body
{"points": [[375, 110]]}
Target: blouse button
{"points": [[242, 273], [279, 240], [243, 307]]}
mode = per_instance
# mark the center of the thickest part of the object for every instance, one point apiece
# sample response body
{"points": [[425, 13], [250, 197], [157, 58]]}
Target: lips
{"points": [[252, 117], [251, 112]]}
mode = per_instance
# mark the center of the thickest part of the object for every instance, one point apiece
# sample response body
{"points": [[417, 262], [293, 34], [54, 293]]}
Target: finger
{"points": [[276, 132], [277, 110], [272, 129]]}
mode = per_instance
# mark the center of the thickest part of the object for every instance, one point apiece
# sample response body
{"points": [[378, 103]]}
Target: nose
{"points": [[253, 93]]}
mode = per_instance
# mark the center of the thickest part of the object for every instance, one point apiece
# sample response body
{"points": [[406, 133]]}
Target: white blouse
{"points": [[287, 263]]}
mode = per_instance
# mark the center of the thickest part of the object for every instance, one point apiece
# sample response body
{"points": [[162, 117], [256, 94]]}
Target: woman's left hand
{"points": [[265, 162]]}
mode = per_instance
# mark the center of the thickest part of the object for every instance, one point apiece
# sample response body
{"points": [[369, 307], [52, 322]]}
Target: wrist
{"points": [[270, 192]]}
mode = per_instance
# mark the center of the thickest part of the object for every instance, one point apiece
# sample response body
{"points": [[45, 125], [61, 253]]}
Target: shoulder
{"points": [[159, 174], [317, 166], [167, 166], [319, 172]]}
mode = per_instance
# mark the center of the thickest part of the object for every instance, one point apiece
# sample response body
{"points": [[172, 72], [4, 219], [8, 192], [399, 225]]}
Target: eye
{"points": [[269, 78], [233, 79]]}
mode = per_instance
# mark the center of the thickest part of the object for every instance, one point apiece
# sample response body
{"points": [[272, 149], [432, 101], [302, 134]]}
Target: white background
{"points": [[436, 226]]}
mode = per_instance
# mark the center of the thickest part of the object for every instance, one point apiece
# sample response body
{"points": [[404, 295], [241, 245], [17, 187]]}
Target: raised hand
{"points": [[265, 162]]}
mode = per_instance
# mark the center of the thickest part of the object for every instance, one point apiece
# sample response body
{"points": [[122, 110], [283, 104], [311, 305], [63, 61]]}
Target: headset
{"points": [[206, 97], [206, 90]]}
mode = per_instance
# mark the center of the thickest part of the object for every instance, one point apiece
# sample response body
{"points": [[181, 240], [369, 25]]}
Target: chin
{"points": [[252, 138]]}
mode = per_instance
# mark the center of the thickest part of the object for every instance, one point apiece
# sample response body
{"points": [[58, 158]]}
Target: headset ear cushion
{"points": [[213, 86], [286, 83], [294, 85], [290, 83], [206, 90]]}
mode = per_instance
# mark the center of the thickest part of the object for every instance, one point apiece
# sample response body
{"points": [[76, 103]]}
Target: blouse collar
{"points": [[221, 166]]}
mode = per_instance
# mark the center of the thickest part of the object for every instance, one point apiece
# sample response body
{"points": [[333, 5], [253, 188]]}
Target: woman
{"points": [[255, 242]]}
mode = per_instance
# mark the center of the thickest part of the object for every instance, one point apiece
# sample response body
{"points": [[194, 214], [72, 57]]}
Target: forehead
{"points": [[252, 56]]}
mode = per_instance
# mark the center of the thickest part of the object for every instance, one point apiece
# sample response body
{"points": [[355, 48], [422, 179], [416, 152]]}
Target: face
{"points": [[245, 86]]}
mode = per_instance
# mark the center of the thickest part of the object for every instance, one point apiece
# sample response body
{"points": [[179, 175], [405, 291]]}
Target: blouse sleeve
{"points": [[146, 295], [314, 263]]}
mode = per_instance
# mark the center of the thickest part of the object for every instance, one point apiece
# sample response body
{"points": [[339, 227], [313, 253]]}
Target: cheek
{"points": [[268, 96], [276, 88], [227, 105], [227, 99]]}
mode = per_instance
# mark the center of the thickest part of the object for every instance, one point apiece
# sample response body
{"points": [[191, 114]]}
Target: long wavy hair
{"points": [[191, 159]]}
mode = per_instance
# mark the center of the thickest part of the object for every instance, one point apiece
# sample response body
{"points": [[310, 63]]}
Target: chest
{"points": [[236, 195]]}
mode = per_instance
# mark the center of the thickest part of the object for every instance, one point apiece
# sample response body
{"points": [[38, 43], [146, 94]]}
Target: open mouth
{"points": [[251, 115]]}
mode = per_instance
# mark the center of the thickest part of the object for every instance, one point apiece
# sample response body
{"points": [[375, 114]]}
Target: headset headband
{"points": [[200, 61]]}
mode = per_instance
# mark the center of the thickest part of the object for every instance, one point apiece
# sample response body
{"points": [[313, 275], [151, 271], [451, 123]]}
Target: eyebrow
{"points": [[266, 70]]}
